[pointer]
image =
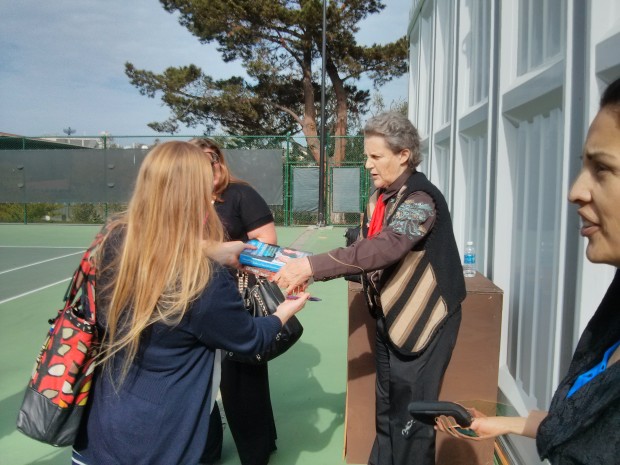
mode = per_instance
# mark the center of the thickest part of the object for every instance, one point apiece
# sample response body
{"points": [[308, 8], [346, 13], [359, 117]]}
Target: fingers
{"points": [[449, 425], [303, 297], [297, 304], [296, 289], [445, 425], [290, 281], [283, 282], [300, 288]]}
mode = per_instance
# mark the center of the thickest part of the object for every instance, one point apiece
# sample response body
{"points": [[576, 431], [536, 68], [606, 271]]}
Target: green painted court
{"points": [[308, 383]]}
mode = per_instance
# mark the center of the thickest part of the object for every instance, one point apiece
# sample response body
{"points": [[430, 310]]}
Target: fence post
{"points": [[327, 187], [286, 181]]}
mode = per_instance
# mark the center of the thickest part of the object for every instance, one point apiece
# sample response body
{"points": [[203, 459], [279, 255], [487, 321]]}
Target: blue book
{"points": [[268, 257]]}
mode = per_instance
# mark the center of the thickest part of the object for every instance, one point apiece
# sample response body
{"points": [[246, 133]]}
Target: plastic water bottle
{"points": [[469, 262]]}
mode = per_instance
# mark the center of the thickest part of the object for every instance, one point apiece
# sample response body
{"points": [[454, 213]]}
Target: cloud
{"points": [[63, 63]]}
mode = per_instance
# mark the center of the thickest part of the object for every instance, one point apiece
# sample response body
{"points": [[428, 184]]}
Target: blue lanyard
{"points": [[592, 373]]}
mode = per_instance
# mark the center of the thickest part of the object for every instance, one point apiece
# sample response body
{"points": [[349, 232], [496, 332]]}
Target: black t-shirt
{"points": [[242, 210]]}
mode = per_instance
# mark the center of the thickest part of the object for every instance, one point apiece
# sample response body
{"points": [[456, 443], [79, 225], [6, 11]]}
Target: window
{"points": [[443, 64], [425, 67], [476, 48], [425, 166], [474, 153], [441, 167], [540, 32], [414, 65], [536, 172]]}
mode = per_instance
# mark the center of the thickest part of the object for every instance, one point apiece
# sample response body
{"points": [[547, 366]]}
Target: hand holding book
{"points": [[295, 274], [268, 257], [288, 267], [226, 253]]}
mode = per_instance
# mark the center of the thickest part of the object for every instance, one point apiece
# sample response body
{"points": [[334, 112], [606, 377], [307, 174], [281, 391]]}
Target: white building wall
{"points": [[503, 92]]}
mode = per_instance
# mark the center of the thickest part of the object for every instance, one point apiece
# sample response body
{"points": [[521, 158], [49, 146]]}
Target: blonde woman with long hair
{"points": [[164, 307]]}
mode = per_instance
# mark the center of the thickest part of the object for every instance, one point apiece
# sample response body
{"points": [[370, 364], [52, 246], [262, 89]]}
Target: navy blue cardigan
{"points": [[160, 415]]}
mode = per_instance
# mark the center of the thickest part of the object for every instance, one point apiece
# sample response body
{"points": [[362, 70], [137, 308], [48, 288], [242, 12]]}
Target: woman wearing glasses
{"points": [[244, 388]]}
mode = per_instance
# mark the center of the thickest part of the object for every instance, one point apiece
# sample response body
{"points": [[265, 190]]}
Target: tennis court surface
{"points": [[308, 383]]}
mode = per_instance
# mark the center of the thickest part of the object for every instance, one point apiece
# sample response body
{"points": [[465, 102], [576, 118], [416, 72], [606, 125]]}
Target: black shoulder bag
{"points": [[262, 299]]}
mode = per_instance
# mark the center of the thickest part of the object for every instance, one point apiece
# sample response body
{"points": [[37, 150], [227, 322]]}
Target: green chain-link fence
{"points": [[296, 155]]}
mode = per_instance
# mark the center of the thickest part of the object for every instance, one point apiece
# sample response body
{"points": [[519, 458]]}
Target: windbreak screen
{"points": [[346, 190], [86, 175], [261, 168], [306, 189], [68, 175]]}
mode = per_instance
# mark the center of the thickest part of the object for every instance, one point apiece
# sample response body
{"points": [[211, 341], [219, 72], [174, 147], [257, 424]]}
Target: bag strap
{"points": [[242, 281], [85, 275]]}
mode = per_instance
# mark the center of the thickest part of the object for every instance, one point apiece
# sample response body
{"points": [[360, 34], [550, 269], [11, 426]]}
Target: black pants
{"points": [[247, 403], [400, 440]]}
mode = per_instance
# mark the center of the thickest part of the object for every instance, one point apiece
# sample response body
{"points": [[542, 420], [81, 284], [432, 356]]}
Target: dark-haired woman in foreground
{"points": [[244, 388], [582, 426]]}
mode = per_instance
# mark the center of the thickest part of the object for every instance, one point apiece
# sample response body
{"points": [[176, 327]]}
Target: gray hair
{"points": [[399, 134]]}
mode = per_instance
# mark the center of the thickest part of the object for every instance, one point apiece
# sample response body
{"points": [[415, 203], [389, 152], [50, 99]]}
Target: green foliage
{"points": [[12, 212], [278, 43], [34, 212], [377, 105], [39, 211], [85, 213], [116, 208]]}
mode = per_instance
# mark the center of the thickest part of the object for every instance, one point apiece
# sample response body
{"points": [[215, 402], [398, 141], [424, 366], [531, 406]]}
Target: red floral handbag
{"points": [[58, 390]]}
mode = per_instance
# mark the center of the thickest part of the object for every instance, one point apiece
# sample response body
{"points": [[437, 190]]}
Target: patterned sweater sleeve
{"points": [[411, 222]]}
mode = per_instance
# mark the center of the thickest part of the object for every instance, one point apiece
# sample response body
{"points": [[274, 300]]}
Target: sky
{"points": [[62, 63]]}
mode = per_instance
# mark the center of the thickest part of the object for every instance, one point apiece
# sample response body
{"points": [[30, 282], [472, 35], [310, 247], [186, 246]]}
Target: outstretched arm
{"points": [[294, 274], [226, 253], [488, 427], [496, 426]]}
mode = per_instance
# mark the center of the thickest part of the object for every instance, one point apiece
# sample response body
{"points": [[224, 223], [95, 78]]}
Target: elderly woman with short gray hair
{"points": [[414, 282]]}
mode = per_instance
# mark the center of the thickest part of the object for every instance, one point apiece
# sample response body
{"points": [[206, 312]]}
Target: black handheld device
{"points": [[427, 411]]}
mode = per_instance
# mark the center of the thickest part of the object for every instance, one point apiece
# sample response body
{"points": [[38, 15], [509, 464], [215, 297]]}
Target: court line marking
{"points": [[42, 261], [33, 291]]}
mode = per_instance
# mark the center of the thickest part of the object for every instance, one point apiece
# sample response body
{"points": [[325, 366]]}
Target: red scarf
{"points": [[376, 222]]}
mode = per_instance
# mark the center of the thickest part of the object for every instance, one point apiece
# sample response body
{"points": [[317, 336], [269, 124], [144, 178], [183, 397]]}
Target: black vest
{"points": [[420, 291], [439, 244]]}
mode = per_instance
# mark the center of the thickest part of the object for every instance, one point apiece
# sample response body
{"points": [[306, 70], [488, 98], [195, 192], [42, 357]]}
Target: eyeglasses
{"points": [[215, 158]]}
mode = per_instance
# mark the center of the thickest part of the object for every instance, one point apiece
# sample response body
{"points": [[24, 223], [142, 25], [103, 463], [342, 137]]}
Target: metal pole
{"points": [[288, 218], [321, 218]]}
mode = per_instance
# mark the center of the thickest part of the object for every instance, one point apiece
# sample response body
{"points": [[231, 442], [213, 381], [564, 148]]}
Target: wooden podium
{"points": [[471, 375]]}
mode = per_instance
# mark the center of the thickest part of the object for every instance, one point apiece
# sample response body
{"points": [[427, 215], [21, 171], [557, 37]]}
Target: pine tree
{"points": [[278, 42]]}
